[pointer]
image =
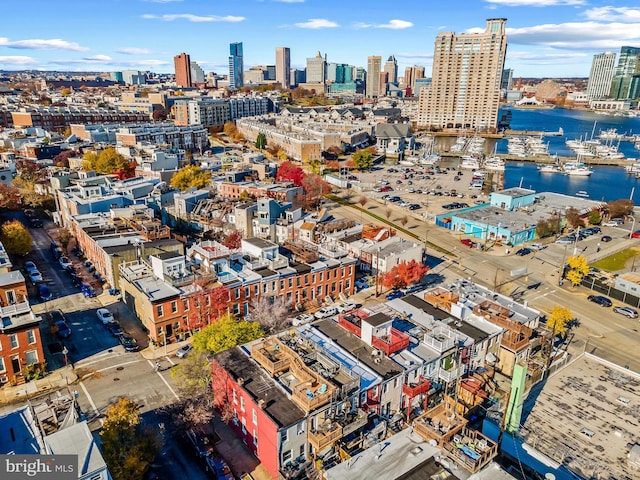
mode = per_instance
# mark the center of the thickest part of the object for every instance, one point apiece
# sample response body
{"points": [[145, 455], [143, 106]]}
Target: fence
{"points": [[597, 285]]}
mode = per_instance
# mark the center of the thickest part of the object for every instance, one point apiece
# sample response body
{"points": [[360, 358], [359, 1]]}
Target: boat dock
{"points": [[593, 161]]}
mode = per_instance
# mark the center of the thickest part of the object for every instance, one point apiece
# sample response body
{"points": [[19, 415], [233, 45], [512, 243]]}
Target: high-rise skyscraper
{"points": [[603, 67], [623, 85], [507, 79], [391, 68], [373, 76], [465, 85], [411, 74], [182, 65], [283, 66], [316, 69], [197, 74], [236, 66]]}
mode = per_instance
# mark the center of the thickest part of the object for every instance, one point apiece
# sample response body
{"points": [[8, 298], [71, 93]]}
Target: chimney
{"points": [[261, 403]]}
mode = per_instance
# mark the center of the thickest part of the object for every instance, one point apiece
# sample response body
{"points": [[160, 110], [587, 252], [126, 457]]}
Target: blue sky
{"points": [[547, 38]]}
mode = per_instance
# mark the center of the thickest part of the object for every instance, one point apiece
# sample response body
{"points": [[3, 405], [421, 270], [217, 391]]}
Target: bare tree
{"points": [[269, 312], [193, 379], [363, 200], [388, 212], [404, 220]]}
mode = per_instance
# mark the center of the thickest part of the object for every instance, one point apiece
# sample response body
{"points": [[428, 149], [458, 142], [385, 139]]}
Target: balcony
{"points": [[393, 342], [514, 341], [441, 339], [449, 375], [311, 390], [270, 356], [338, 427], [412, 390], [352, 321], [439, 424], [325, 437], [15, 309], [472, 450]]}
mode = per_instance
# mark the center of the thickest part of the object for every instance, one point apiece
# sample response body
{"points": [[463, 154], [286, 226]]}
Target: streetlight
{"points": [[164, 337]]}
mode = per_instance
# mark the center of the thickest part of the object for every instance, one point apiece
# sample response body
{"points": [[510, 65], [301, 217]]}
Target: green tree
{"points": [[127, 448], [363, 159], [578, 268], [193, 379], [594, 217], [226, 333], [261, 141], [191, 176], [64, 237], [559, 319], [15, 238], [107, 162]]}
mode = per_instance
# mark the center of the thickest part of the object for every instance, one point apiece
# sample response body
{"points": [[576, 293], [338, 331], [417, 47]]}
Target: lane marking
{"points": [[93, 405], [163, 379]]}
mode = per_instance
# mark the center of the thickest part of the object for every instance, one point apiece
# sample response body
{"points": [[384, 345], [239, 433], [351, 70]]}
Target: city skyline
{"points": [[547, 38]]}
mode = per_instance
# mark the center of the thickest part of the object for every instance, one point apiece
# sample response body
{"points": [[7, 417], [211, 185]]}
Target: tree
{"points": [[193, 380], [230, 130], [233, 240], [403, 274], [578, 268], [261, 141], [126, 446], [64, 237], [269, 312], [226, 333], [620, 208], [594, 217], [220, 386], [207, 303], [314, 189], [289, 172], [559, 319], [108, 162], [574, 218], [404, 220], [9, 196], [159, 114], [245, 196], [315, 166], [363, 159], [363, 200], [15, 238], [388, 212], [62, 159], [190, 176]]}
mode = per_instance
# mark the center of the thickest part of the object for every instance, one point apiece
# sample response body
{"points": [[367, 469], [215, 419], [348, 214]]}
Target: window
{"points": [[235, 397], [236, 309], [13, 340], [174, 307], [185, 304], [242, 404], [255, 437], [244, 426], [283, 436], [256, 289], [302, 452], [247, 292], [31, 356], [31, 337], [300, 428], [2, 367], [159, 310], [11, 297], [255, 416], [237, 293]]}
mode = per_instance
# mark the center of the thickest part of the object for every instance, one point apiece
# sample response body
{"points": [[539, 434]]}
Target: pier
{"points": [[593, 161]]}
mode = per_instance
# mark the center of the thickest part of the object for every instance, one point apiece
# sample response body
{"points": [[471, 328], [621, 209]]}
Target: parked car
{"points": [[130, 344], [219, 467], [395, 294], [394, 199], [184, 350], [87, 290], [62, 329], [614, 222], [35, 277], [361, 284], [29, 266], [302, 319], [64, 262], [325, 312], [636, 234], [346, 306], [412, 288], [469, 243], [524, 251], [115, 328], [606, 238], [104, 315], [200, 442], [386, 188], [600, 300], [35, 222], [626, 311], [565, 241], [537, 246], [44, 293], [414, 206], [596, 229]]}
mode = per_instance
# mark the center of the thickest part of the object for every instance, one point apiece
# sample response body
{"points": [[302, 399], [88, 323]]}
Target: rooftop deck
{"points": [[440, 424]]}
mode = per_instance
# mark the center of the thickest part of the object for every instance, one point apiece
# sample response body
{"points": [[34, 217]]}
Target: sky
{"points": [[546, 38]]}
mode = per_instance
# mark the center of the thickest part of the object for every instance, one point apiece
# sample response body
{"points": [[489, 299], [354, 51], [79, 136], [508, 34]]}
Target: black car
{"points": [[115, 329], [62, 329], [414, 206], [35, 222], [129, 344], [606, 238], [524, 251], [600, 300]]}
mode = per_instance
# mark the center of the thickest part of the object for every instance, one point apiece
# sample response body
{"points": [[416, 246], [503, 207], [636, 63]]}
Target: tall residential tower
{"points": [[374, 63], [182, 65], [283, 66], [626, 80], [236, 66], [602, 69], [465, 85]]}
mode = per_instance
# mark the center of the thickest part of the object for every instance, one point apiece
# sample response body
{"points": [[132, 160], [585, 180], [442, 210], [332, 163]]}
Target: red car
{"points": [[386, 188], [468, 243], [636, 234]]}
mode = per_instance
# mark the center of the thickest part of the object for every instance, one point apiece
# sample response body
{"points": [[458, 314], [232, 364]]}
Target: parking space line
{"points": [[165, 382]]}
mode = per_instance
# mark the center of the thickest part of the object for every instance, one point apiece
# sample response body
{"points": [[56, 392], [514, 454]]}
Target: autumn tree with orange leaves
{"points": [[404, 274]]}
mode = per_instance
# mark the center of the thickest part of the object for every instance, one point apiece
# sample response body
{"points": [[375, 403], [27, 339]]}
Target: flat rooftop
{"points": [[260, 386], [587, 417]]}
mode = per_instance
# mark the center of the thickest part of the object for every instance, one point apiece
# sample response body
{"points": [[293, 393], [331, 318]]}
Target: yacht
{"points": [[494, 163], [552, 168], [582, 193], [470, 162], [578, 169]]}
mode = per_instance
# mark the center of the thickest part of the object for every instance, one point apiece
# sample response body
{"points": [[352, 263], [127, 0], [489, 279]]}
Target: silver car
{"points": [[184, 350]]}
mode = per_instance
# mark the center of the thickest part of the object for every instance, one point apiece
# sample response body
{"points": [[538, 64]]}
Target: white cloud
{"points": [[577, 35], [42, 44], [613, 14], [395, 24], [316, 23], [17, 60], [193, 18], [133, 51], [146, 63], [91, 60], [536, 3], [414, 55]]}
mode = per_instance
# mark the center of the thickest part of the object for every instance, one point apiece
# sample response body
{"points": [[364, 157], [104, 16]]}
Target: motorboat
{"points": [[582, 194], [578, 169]]}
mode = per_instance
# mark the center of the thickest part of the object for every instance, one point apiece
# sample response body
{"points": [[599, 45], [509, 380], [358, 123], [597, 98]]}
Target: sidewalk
{"points": [[59, 378]]}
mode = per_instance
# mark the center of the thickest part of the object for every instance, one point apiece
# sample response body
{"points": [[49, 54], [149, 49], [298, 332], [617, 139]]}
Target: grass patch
{"points": [[345, 202], [617, 261]]}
